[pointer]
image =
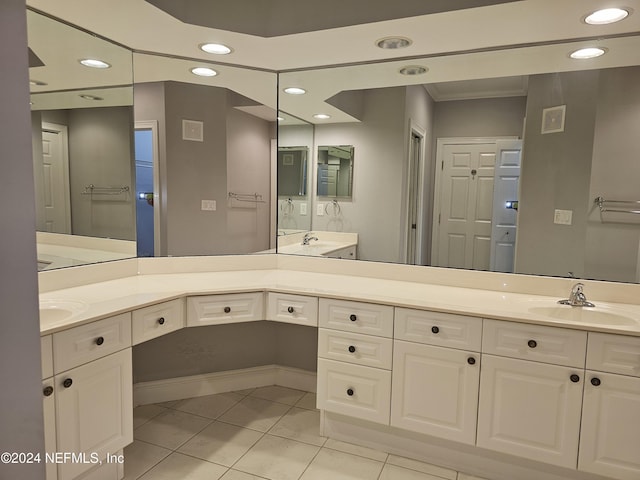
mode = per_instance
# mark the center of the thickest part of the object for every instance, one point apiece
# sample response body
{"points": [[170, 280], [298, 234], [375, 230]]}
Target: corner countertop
{"points": [[106, 298]]}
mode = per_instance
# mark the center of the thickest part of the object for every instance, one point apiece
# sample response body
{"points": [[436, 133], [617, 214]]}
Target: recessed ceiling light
{"points": [[321, 116], [607, 15], [94, 63], [589, 52], [215, 48], [37, 83], [204, 71], [91, 97], [413, 70], [393, 43], [295, 91]]}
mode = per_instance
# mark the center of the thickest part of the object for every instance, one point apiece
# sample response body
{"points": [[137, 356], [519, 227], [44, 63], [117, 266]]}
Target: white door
{"points": [[610, 434], [94, 410], [530, 410], [434, 391], [504, 217], [55, 167], [463, 232]]}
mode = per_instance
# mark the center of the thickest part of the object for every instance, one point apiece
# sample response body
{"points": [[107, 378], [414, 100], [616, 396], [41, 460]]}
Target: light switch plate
{"points": [[209, 205], [320, 209], [562, 217], [303, 209]]}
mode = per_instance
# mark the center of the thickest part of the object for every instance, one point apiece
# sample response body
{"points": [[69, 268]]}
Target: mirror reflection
{"points": [[335, 171], [82, 121], [499, 173]]}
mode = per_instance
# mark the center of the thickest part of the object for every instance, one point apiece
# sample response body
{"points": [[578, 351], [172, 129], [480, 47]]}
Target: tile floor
{"points": [[263, 433]]}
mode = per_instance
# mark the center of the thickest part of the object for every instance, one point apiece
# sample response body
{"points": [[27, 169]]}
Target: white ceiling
{"points": [[508, 40]]}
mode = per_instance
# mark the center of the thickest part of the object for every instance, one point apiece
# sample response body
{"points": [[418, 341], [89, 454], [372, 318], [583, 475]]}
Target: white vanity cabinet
{"points": [[435, 388], [354, 368], [296, 309], [529, 408], [349, 253], [610, 433], [157, 320], [93, 395], [227, 308]]}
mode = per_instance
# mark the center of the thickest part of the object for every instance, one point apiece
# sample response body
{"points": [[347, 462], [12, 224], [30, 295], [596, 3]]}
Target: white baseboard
{"points": [[211, 383]]}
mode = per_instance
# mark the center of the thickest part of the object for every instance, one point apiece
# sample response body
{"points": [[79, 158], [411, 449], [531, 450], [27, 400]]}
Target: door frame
{"points": [[418, 130], [157, 194], [437, 189], [63, 131]]}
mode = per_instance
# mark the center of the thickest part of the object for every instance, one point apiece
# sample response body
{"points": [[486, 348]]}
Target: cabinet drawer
{"points": [[442, 329], [559, 346], [356, 317], [157, 320], [282, 307], [348, 253], [46, 352], [220, 309], [88, 342], [355, 348], [353, 390], [614, 353]]}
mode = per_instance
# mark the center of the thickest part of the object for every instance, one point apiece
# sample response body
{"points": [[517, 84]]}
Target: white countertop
{"points": [[103, 299]]}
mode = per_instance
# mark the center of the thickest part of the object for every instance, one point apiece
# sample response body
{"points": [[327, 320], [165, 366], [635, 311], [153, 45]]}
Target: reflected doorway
{"points": [[145, 141]]}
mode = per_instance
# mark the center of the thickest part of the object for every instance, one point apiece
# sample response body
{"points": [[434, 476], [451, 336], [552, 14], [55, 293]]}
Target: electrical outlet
{"points": [[208, 205], [562, 217], [320, 209], [303, 209]]}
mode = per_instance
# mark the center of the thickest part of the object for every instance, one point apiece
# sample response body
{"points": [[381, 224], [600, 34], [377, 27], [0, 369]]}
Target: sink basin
{"points": [[59, 310], [597, 315]]}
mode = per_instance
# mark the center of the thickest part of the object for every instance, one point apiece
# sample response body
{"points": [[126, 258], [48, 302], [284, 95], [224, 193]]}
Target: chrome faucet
{"points": [[577, 298], [307, 238]]}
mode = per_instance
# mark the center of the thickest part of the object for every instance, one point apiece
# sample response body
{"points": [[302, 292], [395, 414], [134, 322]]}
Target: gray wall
{"points": [[379, 167], [20, 371], [200, 350], [613, 239], [556, 172], [234, 156]]}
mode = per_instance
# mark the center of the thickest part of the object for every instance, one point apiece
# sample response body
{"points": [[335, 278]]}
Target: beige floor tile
{"points": [[277, 458], [210, 406], [236, 475], [171, 429], [334, 465], [245, 392], [464, 476], [140, 457], [221, 443], [308, 401], [356, 450], [392, 472], [279, 394], [422, 467], [182, 467], [301, 425], [255, 413], [144, 413]]}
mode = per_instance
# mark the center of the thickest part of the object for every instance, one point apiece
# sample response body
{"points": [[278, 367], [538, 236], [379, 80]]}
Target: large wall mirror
{"points": [[489, 161], [82, 126], [177, 164]]}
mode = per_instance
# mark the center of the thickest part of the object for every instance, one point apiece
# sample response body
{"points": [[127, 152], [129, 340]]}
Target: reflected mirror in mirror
{"points": [[489, 161], [295, 145], [82, 122], [335, 171]]}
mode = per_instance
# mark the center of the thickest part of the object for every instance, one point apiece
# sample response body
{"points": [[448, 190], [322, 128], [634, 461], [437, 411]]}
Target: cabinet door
{"points": [[49, 412], [530, 410], [435, 391], [610, 435], [94, 410]]}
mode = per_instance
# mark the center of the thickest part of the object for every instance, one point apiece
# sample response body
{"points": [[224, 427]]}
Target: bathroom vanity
{"points": [[499, 382]]}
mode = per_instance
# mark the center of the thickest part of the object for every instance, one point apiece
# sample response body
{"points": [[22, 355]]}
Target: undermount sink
{"points": [[59, 310], [591, 315]]}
